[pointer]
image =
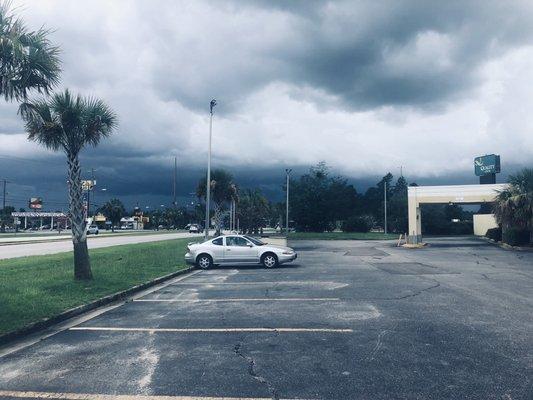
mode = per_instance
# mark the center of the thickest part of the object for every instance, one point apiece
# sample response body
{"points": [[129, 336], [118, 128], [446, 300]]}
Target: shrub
{"points": [[460, 228], [515, 236], [494, 234], [357, 224]]}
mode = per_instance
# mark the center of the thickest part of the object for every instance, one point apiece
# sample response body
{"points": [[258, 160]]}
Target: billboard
{"points": [[35, 203], [486, 165], [88, 184]]}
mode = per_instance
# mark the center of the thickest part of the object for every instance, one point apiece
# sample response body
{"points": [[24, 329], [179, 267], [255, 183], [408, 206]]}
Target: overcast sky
{"points": [[365, 86]]}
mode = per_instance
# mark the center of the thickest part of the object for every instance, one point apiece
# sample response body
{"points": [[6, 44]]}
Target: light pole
{"points": [[288, 173], [208, 183], [385, 205]]}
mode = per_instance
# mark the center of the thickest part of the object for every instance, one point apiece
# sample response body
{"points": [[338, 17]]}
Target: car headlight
{"points": [[288, 252]]}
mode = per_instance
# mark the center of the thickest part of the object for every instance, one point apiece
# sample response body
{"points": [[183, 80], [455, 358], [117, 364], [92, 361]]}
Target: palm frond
{"points": [[28, 60], [99, 121], [67, 122], [42, 124]]}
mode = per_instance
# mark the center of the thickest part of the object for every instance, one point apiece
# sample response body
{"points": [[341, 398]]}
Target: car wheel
{"points": [[269, 260], [204, 261]]}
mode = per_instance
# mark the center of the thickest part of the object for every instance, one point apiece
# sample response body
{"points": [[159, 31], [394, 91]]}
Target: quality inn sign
{"points": [[485, 165]]}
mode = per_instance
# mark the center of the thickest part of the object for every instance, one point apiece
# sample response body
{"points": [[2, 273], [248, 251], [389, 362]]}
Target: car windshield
{"points": [[255, 241]]}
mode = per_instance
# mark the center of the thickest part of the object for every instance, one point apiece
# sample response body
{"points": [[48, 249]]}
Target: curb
{"points": [[506, 246], [69, 238], [74, 312]]}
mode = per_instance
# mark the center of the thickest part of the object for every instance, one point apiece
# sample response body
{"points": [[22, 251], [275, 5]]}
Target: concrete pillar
{"points": [[418, 224], [25, 222], [415, 220], [51, 222]]}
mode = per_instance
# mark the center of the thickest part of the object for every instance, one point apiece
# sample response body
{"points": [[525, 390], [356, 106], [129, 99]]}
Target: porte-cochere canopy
{"points": [[460, 194]]}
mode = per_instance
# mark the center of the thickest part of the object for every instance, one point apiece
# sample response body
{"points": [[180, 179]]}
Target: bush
{"points": [[460, 228], [515, 236], [494, 234], [357, 224]]}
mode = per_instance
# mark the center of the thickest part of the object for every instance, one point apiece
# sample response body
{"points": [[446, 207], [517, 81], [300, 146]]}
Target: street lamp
{"points": [[287, 172], [208, 183], [385, 207]]}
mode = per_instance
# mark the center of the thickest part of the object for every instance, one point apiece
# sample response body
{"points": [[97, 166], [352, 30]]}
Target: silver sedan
{"points": [[237, 250]]}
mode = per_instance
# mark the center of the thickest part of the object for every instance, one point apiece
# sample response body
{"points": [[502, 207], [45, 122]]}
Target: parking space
{"points": [[349, 320]]}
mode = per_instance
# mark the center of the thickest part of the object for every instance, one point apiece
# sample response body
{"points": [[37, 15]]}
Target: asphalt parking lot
{"points": [[349, 320]]}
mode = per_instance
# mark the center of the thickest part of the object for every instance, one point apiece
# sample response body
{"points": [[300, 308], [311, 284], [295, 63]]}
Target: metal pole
{"points": [[208, 183], [175, 178], [287, 171], [4, 201], [385, 205], [230, 216]]}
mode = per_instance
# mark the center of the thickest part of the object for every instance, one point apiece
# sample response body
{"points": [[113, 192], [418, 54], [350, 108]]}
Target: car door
{"points": [[239, 250], [217, 249]]}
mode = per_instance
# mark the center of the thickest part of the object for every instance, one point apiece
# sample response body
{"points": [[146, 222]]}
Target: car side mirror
{"points": [[250, 245]]}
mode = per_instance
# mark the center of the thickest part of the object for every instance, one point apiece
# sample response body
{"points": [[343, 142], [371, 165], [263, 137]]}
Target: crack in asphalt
{"points": [[407, 296], [253, 373]]}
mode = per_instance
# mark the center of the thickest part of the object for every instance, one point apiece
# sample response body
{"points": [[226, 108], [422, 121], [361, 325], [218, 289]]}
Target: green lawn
{"points": [[342, 235], [33, 288]]}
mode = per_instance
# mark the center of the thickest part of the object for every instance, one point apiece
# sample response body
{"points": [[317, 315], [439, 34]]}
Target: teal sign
{"points": [[486, 165]]}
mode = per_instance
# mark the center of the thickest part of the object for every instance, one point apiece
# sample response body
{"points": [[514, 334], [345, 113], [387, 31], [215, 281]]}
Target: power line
{"points": [[31, 160]]}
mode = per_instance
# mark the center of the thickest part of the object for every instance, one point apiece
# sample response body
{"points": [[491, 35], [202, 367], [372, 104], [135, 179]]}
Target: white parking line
{"points": [[252, 283], [210, 330], [94, 396], [236, 300]]}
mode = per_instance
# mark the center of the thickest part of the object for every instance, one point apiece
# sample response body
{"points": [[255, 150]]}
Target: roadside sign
{"points": [[35, 203], [88, 184], [488, 164]]}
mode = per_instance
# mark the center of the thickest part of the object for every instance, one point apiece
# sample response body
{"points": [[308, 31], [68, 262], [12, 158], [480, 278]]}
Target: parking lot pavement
{"points": [[349, 320]]}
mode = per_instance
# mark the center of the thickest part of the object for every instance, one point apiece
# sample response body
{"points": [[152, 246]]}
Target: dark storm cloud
{"points": [[363, 85], [367, 54]]}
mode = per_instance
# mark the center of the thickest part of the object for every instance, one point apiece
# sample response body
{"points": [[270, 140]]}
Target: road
{"points": [[94, 242], [349, 320]]}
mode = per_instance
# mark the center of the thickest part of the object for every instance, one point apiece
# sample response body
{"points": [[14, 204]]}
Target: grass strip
{"points": [[342, 236], [38, 287]]}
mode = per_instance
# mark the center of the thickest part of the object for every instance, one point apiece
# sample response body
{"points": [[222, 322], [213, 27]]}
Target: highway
{"points": [[65, 244]]}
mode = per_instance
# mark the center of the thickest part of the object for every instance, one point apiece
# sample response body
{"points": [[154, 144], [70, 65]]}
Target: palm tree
{"points": [[67, 123], [514, 205], [223, 190], [254, 209], [27, 58], [114, 210]]}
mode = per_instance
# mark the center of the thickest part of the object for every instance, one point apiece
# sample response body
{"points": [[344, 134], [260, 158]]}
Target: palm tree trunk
{"points": [[218, 219], [82, 265], [531, 231]]}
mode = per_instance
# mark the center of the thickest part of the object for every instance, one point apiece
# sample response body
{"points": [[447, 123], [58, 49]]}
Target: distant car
{"points": [[237, 250], [195, 228], [92, 230]]}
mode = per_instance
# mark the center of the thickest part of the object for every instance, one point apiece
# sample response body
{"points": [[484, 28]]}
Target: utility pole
{"points": [[89, 188], [4, 198], [175, 178], [385, 205], [212, 104], [287, 172], [3, 225], [231, 215], [234, 214]]}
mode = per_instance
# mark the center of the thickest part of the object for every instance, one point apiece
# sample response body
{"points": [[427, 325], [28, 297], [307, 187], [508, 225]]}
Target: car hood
{"points": [[278, 247]]}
